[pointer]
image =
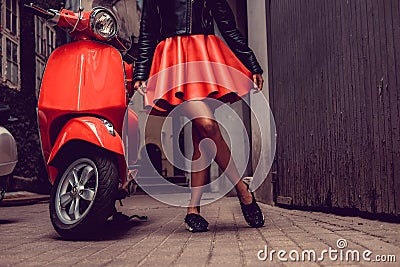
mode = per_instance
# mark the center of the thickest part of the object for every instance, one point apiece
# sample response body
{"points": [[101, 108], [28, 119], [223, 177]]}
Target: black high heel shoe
{"points": [[252, 212]]}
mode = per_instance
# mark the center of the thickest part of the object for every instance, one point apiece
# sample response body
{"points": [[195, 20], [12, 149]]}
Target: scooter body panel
{"points": [[88, 129], [83, 82], [86, 75], [81, 78], [131, 137]]}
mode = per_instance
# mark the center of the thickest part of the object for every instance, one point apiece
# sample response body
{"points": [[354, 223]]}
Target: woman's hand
{"points": [[258, 81], [140, 86]]}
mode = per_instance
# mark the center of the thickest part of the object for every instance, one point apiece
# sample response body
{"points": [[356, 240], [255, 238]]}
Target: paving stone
{"points": [[28, 239]]}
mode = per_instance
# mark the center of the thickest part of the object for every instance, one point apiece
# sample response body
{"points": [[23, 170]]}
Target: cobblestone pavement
{"points": [[28, 239]]}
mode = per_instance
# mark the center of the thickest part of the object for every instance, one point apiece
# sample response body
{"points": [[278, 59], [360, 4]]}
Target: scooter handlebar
{"points": [[41, 12]]}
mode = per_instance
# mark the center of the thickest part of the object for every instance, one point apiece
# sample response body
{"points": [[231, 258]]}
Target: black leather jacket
{"points": [[166, 18]]}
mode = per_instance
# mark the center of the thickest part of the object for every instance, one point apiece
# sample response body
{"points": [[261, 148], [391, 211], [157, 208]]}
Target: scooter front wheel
{"points": [[83, 196]]}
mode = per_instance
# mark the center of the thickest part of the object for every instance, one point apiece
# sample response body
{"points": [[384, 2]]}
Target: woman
{"points": [[176, 32]]}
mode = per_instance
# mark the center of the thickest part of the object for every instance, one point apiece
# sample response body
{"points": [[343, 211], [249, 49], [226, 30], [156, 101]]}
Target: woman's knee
{"points": [[206, 128]]}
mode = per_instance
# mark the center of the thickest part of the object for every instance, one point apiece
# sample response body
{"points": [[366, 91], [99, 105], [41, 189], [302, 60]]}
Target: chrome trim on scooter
{"points": [[114, 27], [54, 20]]}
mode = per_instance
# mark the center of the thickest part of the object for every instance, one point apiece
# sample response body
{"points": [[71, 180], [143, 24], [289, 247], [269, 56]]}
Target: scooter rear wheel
{"points": [[83, 195]]}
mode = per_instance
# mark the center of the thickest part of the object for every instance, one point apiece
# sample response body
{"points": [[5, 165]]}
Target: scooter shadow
{"points": [[8, 221], [110, 231]]}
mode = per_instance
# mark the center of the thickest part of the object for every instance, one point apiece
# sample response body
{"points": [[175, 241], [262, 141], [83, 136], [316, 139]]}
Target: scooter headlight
{"points": [[103, 23]]}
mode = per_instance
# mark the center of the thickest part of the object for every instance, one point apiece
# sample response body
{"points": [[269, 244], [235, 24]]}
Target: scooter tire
{"points": [[3, 186], [102, 206]]}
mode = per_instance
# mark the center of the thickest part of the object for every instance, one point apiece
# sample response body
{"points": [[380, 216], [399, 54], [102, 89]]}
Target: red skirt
{"points": [[194, 67]]}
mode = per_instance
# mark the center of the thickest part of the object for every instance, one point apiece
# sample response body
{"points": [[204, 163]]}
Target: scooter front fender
{"points": [[88, 129]]}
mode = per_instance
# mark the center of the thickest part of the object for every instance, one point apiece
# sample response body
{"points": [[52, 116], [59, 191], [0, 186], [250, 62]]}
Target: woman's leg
{"points": [[198, 176], [204, 126]]}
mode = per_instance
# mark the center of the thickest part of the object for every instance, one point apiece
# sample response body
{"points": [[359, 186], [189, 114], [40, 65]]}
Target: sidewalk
{"points": [[28, 239], [22, 198]]}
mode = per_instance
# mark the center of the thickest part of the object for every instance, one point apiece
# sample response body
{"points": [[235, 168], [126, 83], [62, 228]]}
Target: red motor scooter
{"points": [[81, 111]]}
